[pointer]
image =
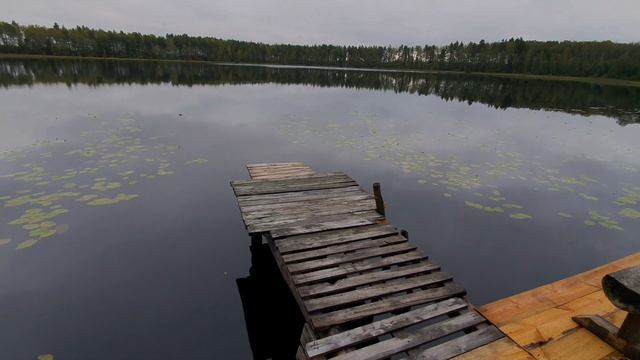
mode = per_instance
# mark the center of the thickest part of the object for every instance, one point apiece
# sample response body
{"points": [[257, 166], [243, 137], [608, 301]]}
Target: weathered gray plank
{"points": [[330, 222], [332, 237], [275, 164], [414, 338], [297, 196], [302, 208], [279, 171], [374, 291], [462, 344], [336, 249], [363, 333], [350, 268], [268, 183], [279, 176], [302, 225], [272, 170], [311, 179], [323, 321], [241, 191], [343, 200], [367, 278], [351, 257]]}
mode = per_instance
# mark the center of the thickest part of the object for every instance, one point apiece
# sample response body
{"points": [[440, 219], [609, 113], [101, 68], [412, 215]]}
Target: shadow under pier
{"points": [[272, 316]]}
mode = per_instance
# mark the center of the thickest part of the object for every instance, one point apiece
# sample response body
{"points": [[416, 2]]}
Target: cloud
{"points": [[412, 22]]}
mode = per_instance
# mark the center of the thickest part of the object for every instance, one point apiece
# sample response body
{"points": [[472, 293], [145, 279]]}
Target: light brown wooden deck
{"points": [[539, 320], [365, 291]]}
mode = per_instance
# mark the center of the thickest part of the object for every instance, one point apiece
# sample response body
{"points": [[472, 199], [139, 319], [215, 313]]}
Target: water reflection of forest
{"points": [[620, 103]]}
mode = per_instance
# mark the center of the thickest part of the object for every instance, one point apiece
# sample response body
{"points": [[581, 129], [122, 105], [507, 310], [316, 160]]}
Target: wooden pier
{"points": [[365, 291], [541, 321]]}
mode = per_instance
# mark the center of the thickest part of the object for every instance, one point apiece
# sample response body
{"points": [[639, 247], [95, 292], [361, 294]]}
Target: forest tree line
{"points": [[565, 58], [619, 102]]}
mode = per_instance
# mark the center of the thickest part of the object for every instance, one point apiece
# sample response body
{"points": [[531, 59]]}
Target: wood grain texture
{"points": [[333, 318], [378, 328], [539, 320], [363, 288]]}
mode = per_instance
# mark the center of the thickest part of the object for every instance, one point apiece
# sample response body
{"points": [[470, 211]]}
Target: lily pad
{"points": [[520, 216], [199, 161], [111, 201], [630, 213], [4, 241], [588, 197], [25, 244], [474, 205]]}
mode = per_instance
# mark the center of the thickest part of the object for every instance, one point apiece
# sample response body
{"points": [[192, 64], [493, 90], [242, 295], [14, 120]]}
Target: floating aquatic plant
{"points": [[588, 197], [630, 213], [26, 244], [199, 161], [112, 201], [520, 216]]}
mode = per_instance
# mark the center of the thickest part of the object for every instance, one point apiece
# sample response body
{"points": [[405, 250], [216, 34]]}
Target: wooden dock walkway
{"points": [[540, 320], [365, 291]]}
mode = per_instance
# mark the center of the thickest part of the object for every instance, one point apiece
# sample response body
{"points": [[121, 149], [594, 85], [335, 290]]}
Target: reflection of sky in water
{"points": [[160, 268]]}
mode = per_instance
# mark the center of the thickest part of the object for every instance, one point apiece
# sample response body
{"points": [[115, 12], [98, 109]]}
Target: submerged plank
{"points": [[367, 332]]}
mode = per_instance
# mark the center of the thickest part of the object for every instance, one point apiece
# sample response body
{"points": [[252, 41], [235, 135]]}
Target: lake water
{"points": [[120, 235]]}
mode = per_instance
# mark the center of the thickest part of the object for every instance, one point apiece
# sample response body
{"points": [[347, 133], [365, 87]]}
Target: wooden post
{"points": [[623, 290], [377, 194]]}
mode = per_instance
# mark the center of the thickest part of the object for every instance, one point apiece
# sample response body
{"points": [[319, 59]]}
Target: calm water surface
{"points": [[120, 236]]}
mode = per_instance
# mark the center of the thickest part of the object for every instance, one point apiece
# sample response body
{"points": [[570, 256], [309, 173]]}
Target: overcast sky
{"points": [[412, 22]]}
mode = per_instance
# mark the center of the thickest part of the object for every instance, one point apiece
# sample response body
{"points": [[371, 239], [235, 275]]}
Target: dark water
{"points": [[508, 184]]}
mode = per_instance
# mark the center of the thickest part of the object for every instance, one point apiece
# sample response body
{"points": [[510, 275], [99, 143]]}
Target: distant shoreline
{"points": [[589, 80]]}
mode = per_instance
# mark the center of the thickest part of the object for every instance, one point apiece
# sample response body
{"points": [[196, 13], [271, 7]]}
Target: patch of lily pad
{"points": [[199, 161], [371, 136], [630, 213], [109, 154], [112, 201]]}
